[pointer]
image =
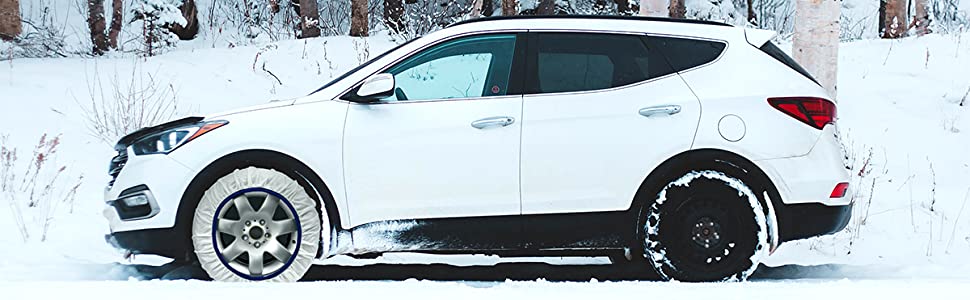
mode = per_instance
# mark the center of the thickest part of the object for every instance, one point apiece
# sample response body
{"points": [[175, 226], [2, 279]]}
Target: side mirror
{"points": [[376, 87]]}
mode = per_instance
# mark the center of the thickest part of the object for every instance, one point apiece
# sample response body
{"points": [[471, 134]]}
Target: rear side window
{"points": [[569, 62], [773, 51], [685, 54]]}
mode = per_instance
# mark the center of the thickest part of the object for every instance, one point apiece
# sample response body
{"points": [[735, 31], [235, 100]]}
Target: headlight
{"points": [[169, 140]]}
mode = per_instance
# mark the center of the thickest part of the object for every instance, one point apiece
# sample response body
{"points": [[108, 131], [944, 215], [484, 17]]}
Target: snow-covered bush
{"points": [[44, 34], [946, 17], [41, 190], [126, 106], [155, 17]]}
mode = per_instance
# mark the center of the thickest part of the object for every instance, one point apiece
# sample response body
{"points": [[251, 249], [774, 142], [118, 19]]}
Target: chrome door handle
{"points": [[660, 110], [493, 122]]}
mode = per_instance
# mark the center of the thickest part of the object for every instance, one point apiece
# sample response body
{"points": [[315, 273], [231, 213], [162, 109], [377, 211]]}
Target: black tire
{"points": [[705, 226]]}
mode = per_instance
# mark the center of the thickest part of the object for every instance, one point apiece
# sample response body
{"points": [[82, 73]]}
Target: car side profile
{"points": [[693, 148]]}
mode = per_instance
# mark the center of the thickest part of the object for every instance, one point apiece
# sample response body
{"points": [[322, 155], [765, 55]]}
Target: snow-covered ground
{"points": [[909, 236]]}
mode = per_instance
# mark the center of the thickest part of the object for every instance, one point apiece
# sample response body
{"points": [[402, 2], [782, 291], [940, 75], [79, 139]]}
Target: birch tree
{"points": [[654, 8], [816, 40], [9, 19], [358, 18]]}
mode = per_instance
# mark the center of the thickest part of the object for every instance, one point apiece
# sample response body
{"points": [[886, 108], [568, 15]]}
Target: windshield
{"points": [[354, 70]]}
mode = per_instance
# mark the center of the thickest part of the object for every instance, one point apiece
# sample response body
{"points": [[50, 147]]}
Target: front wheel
{"points": [[705, 226], [256, 224]]}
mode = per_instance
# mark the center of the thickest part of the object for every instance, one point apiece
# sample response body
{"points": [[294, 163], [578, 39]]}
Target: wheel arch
{"points": [[730, 163], [251, 158]]}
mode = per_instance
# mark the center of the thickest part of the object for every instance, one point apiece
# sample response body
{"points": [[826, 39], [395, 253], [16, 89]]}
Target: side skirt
{"points": [[516, 235]]}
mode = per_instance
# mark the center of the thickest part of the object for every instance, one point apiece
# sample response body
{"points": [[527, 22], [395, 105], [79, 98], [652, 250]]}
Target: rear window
{"points": [[685, 54], [569, 62], [773, 51]]}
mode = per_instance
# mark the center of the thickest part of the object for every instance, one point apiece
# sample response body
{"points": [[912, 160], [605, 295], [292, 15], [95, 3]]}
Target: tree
{"points": [[9, 19], [477, 8], [510, 7], [678, 9], [117, 17], [654, 8], [309, 19], [816, 40], [546, 7], [97, 27], [622, 7], [892, 18], [921, 20], [191, 27], [394, 15], [488, 8], [358, 18]]}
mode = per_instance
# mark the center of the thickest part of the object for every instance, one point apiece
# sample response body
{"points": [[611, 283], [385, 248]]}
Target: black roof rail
{"points": [[589, 17]]}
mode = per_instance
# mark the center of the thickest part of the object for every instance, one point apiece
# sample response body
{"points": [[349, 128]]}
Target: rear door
{"points": [[600, 112]]}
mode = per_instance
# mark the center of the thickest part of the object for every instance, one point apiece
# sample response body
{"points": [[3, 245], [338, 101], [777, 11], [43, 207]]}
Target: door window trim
{"points": [[532, 57], [516, 82]]}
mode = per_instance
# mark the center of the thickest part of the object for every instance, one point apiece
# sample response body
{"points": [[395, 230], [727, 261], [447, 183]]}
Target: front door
{"points": [[446, 144]]}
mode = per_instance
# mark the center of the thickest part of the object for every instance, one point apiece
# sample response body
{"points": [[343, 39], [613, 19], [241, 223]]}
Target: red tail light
{"points": [[815, 112], [839, 190]]}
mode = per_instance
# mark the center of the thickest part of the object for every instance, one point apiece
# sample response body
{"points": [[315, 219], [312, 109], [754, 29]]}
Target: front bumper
{"points": [[800, 221], [162, 178], [165, 242]]}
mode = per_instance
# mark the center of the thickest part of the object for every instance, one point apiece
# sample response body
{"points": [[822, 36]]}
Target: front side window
{"points": [[569, 62], [471, 67]]}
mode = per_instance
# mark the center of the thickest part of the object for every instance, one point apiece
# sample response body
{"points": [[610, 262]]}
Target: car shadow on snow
{"points": [[505, 271]]}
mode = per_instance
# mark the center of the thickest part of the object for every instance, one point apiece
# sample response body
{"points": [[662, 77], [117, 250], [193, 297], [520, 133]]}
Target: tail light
{"points": [[815, 112], [839, 190]]}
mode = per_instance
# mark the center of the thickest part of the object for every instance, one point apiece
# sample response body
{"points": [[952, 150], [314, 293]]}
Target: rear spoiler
{"points": [[758, 37]]}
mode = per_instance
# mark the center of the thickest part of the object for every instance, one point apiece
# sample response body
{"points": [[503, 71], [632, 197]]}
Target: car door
{"points": [[447, 143], [600, 112]]}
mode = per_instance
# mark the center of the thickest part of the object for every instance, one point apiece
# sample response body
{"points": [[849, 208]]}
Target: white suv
{"points": [[691, 147]]}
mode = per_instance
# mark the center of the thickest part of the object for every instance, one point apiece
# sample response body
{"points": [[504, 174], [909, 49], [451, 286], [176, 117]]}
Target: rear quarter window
{"points": [[684, 53]]}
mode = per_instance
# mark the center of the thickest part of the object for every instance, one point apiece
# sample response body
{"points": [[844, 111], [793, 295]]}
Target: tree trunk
{"points": [[191, 14], [752, 16], [510, 7], [488, 8], [394, 15], [97, 26], [654, 8], [9, 19], [921, 19], [816, 40], [117, 18], [309, 19], [678, 10], [477, 8], [892, 18], [546, 7], [622, 7], [358, 18]]}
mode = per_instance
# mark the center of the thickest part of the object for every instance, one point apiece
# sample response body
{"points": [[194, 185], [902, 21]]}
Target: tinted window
{"points": [[684, 54], [772, 50], [568, 62], [471, 67]]}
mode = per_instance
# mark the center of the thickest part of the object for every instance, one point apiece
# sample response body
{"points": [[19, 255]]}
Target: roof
{"points": [[589, 17]]}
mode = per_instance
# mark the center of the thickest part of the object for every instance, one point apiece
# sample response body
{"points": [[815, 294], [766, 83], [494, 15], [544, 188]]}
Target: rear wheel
{"points": [[256, 224], [705, 226]]}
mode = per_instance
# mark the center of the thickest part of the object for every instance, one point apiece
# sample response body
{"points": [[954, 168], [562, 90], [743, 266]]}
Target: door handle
{"points": [[493, 122], [660, 110]]}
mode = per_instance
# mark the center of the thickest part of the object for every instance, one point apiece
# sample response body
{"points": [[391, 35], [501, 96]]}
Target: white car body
{"points": [[573, 152]]}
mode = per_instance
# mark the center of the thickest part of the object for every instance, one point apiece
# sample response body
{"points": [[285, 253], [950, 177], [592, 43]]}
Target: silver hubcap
{"points": [[259, 244]]}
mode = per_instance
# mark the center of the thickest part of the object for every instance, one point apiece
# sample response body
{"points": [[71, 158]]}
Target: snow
{"points": [[898, 98]]}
